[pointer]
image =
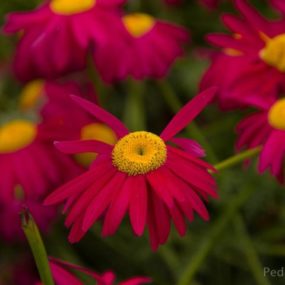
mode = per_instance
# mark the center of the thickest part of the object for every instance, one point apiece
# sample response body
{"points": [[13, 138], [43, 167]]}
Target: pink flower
{"points": [[252, 54], [56, 37], [29, 163], [141, 47], [62, 117], [212, 4], [143, 175], [267, 128], [62, 274]]}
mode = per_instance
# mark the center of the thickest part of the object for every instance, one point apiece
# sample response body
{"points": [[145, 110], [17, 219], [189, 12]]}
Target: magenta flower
{"points": [[141, 47], [253, 53], [143, 175], [267, 128], [62, 274], [64, 120], [51, 34]]}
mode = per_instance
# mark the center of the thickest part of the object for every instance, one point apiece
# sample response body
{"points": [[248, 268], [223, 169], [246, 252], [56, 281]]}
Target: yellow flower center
{"points": [[95, 131], [16, 135], [139, 153], [276, 115], [274, 52], [70, 7], [31, 94], [138, 24]]}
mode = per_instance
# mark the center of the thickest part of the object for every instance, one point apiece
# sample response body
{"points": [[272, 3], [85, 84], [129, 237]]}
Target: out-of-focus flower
{"points": [[141, 47], [254, 53], [63, 119], [62, 274], [66, 121], [29, 161], [142, 174], [267, 128], [56, 37]]}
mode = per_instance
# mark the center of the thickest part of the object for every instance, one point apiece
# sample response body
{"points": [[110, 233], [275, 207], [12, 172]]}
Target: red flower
{"points": [[252, 54], [142, 175], [267, 128]]}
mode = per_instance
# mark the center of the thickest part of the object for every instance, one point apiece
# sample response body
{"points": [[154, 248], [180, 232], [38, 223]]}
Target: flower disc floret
{"points": [[70, 7], [276, 115], [139, 153], [138, 24], [16, 135], [274, 52]]}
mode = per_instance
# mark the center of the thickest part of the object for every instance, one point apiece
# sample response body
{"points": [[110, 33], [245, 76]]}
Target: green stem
{"points": [[236, 159], [134, 116], [212, 236], [37, 246], [193, 130], [249, 250]]}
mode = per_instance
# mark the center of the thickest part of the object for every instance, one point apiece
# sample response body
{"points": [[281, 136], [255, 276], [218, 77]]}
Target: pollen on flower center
{"points": [[139, 153], [30, 96], [69, 7], [138, 24], [95, 131], [274, 52], [16, 135], [276, 115]]}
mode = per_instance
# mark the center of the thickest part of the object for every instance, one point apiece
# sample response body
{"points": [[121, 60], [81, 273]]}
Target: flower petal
{"points": [[188, 113], [102, 115]]}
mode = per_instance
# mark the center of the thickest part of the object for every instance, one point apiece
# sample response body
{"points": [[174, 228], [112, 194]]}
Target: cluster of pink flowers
{"points": [[249, 71], [64, 149]]}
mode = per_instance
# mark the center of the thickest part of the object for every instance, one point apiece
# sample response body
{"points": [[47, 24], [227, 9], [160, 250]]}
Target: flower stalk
{"points": [[33, 236], [239, 158]]}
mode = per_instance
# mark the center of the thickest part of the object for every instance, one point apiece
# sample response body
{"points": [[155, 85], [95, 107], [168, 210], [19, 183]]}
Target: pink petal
{"points": [[103, 116], [79, 146], [188, 113]]}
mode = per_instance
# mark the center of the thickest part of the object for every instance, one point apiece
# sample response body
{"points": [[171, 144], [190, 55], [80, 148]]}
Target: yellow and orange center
{"points": [[274, 52], [139, 153], [95, 131], [276, 115], [16, 135], [31, 95], [138, 24], [70, 7]]}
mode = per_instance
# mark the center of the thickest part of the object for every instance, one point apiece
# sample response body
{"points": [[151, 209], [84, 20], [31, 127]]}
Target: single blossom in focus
{"points": [[250, 68], [152, 178], [141, 47], [62, 273], [55, 38], [266, 127]]}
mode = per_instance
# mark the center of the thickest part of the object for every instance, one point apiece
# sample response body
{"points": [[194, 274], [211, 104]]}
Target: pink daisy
{"points": [[153, 178], [67, 121], [29, 163], [267, 128], [141, 47], [253, 53], [63, 119], [52, 33], [62, 274]]}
